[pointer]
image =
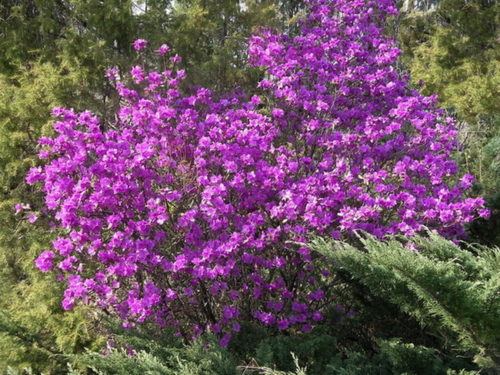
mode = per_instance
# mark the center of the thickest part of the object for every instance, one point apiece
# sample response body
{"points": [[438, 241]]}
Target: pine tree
{"points": [[55, 54], [33, 326], [453, 49], [212, 39]]}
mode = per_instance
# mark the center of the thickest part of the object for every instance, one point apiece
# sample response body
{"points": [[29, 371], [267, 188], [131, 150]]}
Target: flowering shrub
{"points": [[186, 210]]}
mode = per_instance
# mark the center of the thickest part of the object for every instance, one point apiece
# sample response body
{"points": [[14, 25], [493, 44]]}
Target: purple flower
{"points": [[230, 312], [317, 316], [306, 327], [163, 50], [196, 201], [34, 175], [299, 307], [112, 74], [44, 262], [278, 113], [68, 303], [32, 218], [224, 341], [175, 59], [18, 207], [283, 324], [63, 245], [43, 154], [137, 74], [170, 294], [140, 44], [484, 213]]}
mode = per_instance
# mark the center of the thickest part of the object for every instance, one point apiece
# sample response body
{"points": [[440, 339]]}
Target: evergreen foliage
{"points": [[33, 324], [453, 50], [314, 353], [146, 350], [453, 291], [212, 39], [54, 54], [195, 359]]}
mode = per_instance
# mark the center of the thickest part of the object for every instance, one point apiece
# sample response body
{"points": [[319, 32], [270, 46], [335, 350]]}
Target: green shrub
{"points": [[452, 292]]}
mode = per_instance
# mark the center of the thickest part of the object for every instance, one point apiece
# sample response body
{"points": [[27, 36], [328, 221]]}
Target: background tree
{"points": [[55, 54], [452, 49]]}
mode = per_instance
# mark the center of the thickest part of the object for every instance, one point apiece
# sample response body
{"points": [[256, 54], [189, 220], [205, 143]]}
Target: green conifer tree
{"points": [[55, 55], [451, 291]]}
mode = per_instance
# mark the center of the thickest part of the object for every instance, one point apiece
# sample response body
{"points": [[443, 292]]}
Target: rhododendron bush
{"points": [[187, 210]]}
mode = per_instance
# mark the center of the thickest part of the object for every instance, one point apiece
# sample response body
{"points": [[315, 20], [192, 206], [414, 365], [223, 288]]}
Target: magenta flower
{"points": [[163, 50], [140, 44], [32, 218], [224, 341], [137, 74], [18, 207], [283, 324], [44, 262], [112, 74], [187, 208]]}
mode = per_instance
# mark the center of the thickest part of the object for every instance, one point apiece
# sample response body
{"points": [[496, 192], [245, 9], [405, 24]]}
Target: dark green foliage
{"points": [[314, 353], [486, 230], [451, 291], [314, 349], [394, 358], [34, 330], [195, 359], [30, 302], [453, 49], [482, 158], [53, 54], [147, 350], [211, 37], [435, 310]]}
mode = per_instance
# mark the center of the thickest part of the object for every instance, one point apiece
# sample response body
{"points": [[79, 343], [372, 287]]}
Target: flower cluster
{"points": [[189, 209], [140, 44]]}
